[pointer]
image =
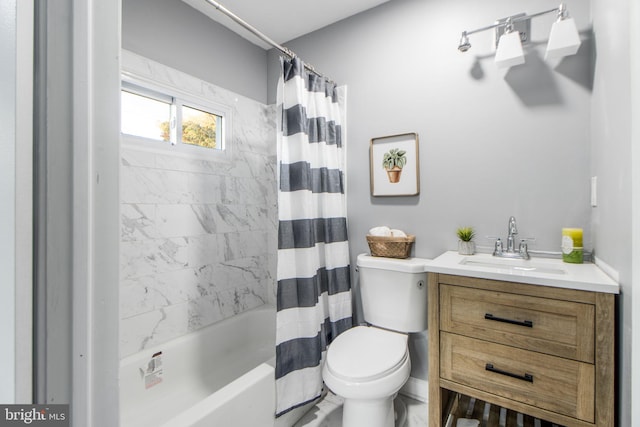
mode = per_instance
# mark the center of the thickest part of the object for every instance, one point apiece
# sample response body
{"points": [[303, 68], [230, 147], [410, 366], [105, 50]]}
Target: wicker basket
{"points": [[390, 247]]}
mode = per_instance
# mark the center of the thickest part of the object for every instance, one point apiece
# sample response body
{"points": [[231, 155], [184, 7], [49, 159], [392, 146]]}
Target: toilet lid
{"points": [[366, 353]]}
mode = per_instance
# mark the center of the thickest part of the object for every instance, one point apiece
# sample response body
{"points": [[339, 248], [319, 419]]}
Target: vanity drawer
{"points": [[555, 327], [559, 385]]}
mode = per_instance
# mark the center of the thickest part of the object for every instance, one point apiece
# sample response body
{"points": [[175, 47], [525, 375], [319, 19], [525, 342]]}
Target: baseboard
{"points": [[416, 389]]}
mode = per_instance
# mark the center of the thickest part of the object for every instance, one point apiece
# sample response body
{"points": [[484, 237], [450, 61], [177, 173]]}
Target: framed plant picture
{"points": [[394, 165]]}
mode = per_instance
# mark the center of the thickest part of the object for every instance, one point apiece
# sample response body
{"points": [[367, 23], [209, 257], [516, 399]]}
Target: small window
{"points": [[201, 128], [145, 117], [182, 122]]}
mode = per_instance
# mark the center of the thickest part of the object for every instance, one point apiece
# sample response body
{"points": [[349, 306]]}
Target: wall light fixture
{"points": [[564, 39], [509, 51], [512, 32]]}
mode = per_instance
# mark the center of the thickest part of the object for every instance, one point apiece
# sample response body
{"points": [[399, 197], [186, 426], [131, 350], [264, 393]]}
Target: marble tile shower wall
{"points": [[198, 238]]}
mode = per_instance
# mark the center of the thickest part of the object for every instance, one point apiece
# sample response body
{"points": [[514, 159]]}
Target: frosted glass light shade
{"points": [[564, 39], [509, 52]]}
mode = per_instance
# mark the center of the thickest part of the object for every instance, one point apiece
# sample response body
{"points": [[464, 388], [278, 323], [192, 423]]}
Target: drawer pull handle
{"points": [[525, 377], [527, 323]]}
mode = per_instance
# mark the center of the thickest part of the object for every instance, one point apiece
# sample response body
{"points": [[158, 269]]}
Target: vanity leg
{"points": [[438, 397]]}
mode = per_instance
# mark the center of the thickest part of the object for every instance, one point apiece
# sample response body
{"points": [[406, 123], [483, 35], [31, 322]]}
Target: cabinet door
{"points": [[559, 328], [559, 385]]}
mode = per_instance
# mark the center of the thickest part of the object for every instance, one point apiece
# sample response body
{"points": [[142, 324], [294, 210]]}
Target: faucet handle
{"points": [[523, 249], [498, 247]]}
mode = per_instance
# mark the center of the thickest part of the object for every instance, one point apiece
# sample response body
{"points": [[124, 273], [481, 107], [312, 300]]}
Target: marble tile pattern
{"points": [[198, 236]]}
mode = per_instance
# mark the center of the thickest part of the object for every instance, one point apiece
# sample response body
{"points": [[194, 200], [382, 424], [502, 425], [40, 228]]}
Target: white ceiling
{"points": [[282, 20]]}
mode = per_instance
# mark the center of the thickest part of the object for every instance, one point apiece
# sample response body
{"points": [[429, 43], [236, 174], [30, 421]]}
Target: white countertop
{"points": [[536, 271]]}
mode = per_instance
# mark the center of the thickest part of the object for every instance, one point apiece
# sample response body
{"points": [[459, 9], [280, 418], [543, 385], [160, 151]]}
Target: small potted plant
{"points": [[393, 161], [466, 245]]}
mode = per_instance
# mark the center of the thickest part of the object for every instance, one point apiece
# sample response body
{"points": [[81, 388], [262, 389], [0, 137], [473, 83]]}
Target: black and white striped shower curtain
{"points": [[314, 289]]}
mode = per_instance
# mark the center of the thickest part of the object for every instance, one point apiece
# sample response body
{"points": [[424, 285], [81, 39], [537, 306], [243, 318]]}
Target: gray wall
{"points": [[524, 144], [173, 33], [490, 146], [611, 163], [24, 201]]}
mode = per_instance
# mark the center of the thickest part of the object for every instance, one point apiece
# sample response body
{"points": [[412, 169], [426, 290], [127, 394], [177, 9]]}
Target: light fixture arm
{"points": [[561, 13]]}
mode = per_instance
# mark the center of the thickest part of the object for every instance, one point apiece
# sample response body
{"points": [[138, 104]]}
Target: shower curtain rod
{"points": [[283, 49]]}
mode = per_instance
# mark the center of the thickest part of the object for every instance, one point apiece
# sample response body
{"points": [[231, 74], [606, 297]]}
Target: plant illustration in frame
{"points": [[393, 161], [394, 168]]}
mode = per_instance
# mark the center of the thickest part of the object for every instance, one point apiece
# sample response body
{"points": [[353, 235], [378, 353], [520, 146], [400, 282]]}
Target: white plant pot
{"points": [[466, 248]]}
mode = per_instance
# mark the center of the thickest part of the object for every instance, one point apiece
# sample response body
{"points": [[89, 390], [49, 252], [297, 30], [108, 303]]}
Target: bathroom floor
{"points": [[328, 412]]}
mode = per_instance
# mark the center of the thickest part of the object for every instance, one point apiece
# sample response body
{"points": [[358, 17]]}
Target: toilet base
{"points": [[368, 412]]}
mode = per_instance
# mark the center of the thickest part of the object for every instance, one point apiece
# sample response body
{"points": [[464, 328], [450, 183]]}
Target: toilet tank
{"points": [[394, 292]]}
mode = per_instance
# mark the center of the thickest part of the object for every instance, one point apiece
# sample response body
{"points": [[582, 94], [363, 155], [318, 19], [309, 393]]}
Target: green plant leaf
{"points": [[394, 157], [466, 234]]}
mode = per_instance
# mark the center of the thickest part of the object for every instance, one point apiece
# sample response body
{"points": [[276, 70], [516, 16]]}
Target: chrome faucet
{"points": [[511, 252], [511, 235]]}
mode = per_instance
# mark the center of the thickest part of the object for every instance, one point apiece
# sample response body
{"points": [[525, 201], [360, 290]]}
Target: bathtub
{"points": [[221, 375]]}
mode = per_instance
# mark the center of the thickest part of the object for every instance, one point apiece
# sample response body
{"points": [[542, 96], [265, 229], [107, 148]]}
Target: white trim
{"points": [[96, 222], [24, 202], [16, 133], [82, 326], [608, 270], [417, 389], [8, 172]]}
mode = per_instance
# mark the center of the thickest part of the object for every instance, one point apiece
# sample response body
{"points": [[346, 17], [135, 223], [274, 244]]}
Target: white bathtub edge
{"points": [[187, 376], [253, 395]]}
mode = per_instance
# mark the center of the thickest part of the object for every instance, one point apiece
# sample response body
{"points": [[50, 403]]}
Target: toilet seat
{"points": [[365, 353]]}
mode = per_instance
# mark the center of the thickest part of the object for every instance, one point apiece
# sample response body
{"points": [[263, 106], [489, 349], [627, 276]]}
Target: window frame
{"points": [[151, 95], [220, 132], [178, 98]]}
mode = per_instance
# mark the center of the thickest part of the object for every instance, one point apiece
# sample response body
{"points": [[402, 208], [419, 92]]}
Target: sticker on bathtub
{"points": [[151, 373]]}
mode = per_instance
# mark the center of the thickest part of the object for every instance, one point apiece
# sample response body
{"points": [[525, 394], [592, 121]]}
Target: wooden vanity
{"points": [[544, 351]]}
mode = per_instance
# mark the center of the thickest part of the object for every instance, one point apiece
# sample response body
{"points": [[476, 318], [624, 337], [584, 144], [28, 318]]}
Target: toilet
{"points": [[367, 365]]}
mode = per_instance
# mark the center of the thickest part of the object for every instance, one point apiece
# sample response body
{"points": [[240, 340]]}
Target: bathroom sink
{"points": [[514, 266], [535, 271]]}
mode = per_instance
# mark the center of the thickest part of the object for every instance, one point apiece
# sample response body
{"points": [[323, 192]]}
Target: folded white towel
{"points": [[380, 231], [398, 233], [466, 422]]}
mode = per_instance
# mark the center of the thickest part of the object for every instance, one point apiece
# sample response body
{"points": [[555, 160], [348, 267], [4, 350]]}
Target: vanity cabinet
{"points": [[543, 351]]}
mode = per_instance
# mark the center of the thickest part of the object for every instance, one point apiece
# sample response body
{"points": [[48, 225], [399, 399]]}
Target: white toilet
{"points": [[367, 365]]}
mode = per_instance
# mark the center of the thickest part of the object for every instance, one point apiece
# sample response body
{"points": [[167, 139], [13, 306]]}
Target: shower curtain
{"points": [[314, 288]]}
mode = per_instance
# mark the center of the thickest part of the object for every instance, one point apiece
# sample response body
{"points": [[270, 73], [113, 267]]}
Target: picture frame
{"points": [[394, 165]]}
